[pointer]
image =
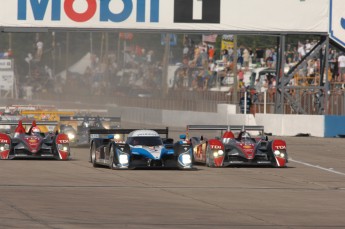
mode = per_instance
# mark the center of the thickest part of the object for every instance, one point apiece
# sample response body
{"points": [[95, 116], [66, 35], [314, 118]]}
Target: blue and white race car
{"points": [[141, 149]]}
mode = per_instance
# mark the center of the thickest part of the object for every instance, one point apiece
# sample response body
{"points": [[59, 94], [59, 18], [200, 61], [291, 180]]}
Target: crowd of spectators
{"points": [[133, 72], [203, 68], [139, 72]]}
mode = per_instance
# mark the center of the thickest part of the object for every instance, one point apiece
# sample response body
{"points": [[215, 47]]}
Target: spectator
{"points": [[185, 51], [225, 56], [246, 59], [272, 89], [240, 75], [39, 50], [245, 104], [301, 51], [211, 52], [308, 46], [341, 65], [264, 86]]}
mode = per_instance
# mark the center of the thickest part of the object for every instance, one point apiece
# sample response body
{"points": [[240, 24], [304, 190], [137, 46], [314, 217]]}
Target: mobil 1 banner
{"points": [[197, 11], [160, 15]]}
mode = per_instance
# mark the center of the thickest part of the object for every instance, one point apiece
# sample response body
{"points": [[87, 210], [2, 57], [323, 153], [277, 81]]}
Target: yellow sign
{"points": [[227, 45]]}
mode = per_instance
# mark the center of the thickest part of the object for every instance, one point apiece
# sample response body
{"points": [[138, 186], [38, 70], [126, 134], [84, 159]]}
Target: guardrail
{"points": [[206, 101]]}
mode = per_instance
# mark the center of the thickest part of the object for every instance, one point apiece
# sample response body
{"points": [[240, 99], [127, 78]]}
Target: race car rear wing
{"points": [[93, 131], [28, 122], [225, 127], [222, 128], [9, 125], [90, 118]]}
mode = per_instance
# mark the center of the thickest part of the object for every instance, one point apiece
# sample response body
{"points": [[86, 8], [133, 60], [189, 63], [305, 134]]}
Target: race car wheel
{"points": [[208, 157], [111, 158], [93, 155]]}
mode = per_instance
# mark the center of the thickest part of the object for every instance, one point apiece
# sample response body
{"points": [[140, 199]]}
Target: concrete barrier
{"points": [[334, 126], [292, 125], [278, 125]]}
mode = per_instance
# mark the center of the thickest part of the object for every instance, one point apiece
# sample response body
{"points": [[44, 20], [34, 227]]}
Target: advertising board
{"points": [[337, 21], [187, 15]]}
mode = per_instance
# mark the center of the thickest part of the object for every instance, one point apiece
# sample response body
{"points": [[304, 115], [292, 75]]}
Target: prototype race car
{"points": [[242, 149], [33, 143], [77, 127], [141, 149]]}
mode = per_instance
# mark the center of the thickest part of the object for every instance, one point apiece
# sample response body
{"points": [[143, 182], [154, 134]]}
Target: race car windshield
{"points": [[246, 135], [145, 141]]}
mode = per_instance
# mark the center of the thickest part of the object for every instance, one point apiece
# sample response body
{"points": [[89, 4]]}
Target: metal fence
{"points": [[311, 101]]}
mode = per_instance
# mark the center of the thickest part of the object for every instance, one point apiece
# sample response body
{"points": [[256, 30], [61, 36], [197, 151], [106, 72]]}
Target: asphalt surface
{"points": [[310, 193]]}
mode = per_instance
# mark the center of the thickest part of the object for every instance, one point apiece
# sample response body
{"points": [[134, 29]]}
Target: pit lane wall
{"points": [[277, 125]]}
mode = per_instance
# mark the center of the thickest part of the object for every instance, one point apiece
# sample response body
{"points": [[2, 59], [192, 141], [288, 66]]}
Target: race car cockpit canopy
{"points": [[144, 141], [145, 138]]}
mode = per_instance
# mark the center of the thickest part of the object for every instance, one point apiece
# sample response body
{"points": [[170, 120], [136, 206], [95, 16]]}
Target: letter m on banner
{"points": [[197, 11]]}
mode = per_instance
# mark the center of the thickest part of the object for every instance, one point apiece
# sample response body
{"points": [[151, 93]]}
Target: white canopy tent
{"points": [[79, 67]]}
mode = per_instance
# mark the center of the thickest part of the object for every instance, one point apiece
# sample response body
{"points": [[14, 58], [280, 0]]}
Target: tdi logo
{"points": [[197, 11]]}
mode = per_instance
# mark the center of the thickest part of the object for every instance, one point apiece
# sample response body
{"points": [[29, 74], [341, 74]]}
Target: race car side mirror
{"points": [[168, 141], [182, 136]]}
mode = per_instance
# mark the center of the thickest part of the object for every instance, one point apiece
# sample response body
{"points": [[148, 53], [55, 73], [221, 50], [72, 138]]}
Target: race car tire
{"points": [[111, 158], [272, 157], [208, 157], [193, 158], [93, 155]]}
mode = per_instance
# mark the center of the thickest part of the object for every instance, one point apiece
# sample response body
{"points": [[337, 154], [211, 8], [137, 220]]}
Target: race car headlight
{"points": [[123, 159], [276, 152], [4, 147], [218, 153], [63, 147], [117, 136], [186, 159], [71, 136]]}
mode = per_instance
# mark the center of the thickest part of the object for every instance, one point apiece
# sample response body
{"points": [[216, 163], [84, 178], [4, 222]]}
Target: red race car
{"points": [[239, 148], [33, 143]]}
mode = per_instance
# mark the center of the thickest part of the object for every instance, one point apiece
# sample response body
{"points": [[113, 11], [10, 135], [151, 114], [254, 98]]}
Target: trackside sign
{"points": [[71, 8], [337, 21], [188, 15]]}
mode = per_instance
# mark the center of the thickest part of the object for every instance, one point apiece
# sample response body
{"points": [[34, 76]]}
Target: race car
{"points": [[130, 149], [31, 112], [33, 143], [77, 127], [242, 149]]}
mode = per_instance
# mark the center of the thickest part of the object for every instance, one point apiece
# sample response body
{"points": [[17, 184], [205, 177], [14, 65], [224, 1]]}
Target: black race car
{"points": [[77, 127]]}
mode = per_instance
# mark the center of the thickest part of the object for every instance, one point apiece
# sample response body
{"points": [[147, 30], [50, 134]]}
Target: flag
{"points": [[209, 38]]}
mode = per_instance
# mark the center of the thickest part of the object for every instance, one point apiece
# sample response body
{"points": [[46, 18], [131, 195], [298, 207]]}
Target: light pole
{"points": [[165, 66], [234, 72]]}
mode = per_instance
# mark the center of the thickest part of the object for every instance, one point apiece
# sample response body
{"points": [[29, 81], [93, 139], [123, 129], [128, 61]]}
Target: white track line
{"points": [[317, 167]]}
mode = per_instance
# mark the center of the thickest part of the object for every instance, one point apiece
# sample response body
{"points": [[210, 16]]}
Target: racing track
{"points": [[310, 193]]}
